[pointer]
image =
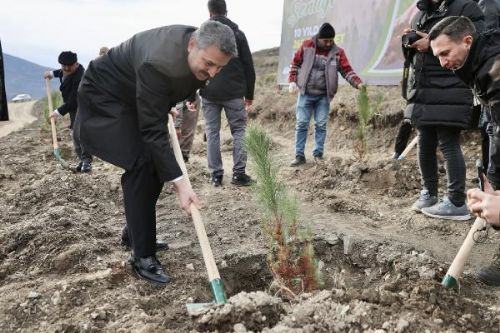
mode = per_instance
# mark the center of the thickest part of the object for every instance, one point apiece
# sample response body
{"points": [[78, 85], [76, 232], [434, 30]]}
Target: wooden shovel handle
{"points": [[51, 108], [206, 250], [457, 266]]}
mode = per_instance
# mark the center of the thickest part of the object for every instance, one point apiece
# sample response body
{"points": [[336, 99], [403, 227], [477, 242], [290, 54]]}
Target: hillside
{"points": [[24, 77]]}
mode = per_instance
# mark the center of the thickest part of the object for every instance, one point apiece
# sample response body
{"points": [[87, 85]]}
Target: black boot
{"points": [[149, 269], [125, 241], [490, 274]]}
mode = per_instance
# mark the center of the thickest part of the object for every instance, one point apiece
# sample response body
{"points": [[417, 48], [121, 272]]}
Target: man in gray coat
{"points": [[124, 100]]}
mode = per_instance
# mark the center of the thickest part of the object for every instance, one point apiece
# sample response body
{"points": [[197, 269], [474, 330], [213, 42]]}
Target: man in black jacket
{"points": [[4, 112], [471, 56], [232, 89], [124, 100], [440, 106], [70, 75]]}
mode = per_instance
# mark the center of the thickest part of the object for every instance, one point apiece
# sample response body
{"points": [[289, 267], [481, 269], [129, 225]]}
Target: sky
{"points": [[38, 30]]}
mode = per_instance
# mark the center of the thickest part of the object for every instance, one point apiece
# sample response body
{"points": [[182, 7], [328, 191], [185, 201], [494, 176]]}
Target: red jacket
{"points": [[337, 61]]}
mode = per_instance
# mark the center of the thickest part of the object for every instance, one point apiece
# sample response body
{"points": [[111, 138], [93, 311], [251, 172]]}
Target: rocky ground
{"points": [[62, 268]]}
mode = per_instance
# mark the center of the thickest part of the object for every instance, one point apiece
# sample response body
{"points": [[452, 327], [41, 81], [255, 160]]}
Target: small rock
{"points": [[239, 328], [402, 325], [190, 267], [56, 298], [33, 295]]}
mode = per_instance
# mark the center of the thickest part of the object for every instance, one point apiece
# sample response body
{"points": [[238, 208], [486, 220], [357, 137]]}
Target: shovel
{"points": [[405, 152], [216, 285], [456, 269], [57, 150]]}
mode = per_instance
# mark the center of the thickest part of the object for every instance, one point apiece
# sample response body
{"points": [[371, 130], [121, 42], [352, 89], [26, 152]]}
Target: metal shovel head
{"points": [[217, 288], [57, 154], [449, 281]]}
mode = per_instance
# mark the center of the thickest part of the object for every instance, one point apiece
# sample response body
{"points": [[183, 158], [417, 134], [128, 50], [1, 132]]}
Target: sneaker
{"points": [[445, 209], [425, 200], [241, 179], [216, 180], [318, 158], [299, 160]]}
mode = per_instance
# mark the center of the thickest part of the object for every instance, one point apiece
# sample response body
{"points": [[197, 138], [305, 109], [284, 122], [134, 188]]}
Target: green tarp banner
{"points": [[368, 30]]}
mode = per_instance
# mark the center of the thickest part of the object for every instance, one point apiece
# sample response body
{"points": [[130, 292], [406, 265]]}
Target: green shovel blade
{"points": [[449, 281]]}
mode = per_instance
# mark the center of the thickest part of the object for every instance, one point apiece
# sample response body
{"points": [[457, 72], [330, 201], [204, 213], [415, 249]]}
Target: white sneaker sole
{"points": [[448, 217]]}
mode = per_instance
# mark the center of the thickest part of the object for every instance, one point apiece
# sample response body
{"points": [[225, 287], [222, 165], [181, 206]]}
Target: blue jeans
{"points": [[308, 105]]}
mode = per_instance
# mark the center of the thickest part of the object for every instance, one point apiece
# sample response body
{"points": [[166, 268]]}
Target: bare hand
{"points": [[485, 205], [248, 103], [54, 115], [191, 106], [47, 75], [421, 45], [186, 196]]}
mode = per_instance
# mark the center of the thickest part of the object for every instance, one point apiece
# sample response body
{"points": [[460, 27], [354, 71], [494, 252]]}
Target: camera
{"points": [[410, 38]]}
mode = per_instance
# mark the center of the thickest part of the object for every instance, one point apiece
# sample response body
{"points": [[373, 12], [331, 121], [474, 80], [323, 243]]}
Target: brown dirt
{"points": [[62, 268]]}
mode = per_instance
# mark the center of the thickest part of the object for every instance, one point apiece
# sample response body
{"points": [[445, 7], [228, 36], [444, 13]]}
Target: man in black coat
{"points": [[439, 106], [4, 112], [232, 90], [70, 75], [124, 100], [472, 56]]}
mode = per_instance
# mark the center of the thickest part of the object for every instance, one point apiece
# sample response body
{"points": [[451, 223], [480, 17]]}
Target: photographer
{"points": [[439, 106]]}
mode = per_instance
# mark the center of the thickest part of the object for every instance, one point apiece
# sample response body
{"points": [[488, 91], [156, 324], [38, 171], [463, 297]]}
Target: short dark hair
{"points": [[217, 7], [215, 33], [455, 27]]}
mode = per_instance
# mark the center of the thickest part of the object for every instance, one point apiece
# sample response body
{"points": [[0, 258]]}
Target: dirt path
{"points": [[20, 115]]}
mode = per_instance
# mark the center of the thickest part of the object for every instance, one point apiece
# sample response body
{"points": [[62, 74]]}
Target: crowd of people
{"points": [[118, 108]]}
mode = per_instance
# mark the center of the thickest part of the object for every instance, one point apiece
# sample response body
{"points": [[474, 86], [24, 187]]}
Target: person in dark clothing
{"points": [[232, 90], [70, 75], [4, 112], [471, 56], [491, 11], [439, 105], [185, 123], [404, 133], [124, 98]]}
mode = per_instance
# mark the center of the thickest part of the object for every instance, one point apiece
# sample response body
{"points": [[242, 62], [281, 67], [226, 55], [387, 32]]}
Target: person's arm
{"points": [[297, 59], [347, 72], [71, 102], [153, 103], [246, 59]]}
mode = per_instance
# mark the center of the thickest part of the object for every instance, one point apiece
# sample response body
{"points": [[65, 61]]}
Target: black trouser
{"points": [[141, 189], [448, 139], [83, 155], [403, 136]]}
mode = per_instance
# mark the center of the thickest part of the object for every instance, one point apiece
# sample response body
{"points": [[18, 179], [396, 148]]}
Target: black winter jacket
{"points": [[237, 78], [436, 96], [125, 95], [69, 91]]}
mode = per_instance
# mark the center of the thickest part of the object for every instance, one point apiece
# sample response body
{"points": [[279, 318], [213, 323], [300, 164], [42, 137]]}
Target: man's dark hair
{"points": [[217, 7], [455, 27]]}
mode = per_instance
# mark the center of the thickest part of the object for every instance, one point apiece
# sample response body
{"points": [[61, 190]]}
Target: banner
{"points": [[368, 30]]}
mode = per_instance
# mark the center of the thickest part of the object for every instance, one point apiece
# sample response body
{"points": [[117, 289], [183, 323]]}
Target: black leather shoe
{"points": [[489, 275], [78, 167], [149, 269], [86, 167], [241, 179], [125, 241]]}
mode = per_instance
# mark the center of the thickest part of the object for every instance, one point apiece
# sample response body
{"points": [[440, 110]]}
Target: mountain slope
{"points": [[24, 77]]}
